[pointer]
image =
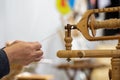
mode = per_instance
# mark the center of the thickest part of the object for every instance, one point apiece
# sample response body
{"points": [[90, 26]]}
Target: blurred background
{"points": [[44, 21]]}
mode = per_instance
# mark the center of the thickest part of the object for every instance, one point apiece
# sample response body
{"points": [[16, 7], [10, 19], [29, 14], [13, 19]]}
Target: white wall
{"points": [[32, 20], [2, 22]]}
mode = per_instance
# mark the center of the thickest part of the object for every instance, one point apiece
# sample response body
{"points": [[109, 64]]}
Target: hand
{"points": [[23, 53]]}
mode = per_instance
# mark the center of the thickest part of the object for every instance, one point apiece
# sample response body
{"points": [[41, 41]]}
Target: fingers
{"points": [[38, 59], [36, 45], [38, 55]]}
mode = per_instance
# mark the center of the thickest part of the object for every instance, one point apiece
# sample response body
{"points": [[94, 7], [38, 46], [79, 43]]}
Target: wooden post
{"points": [[115, 62]]}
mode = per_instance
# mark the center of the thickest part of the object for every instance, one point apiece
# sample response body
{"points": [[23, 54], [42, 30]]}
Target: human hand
{"points": [[20, 52]]}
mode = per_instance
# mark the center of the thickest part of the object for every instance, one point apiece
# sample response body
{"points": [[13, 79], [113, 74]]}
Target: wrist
{"points": [[9, 54]]}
